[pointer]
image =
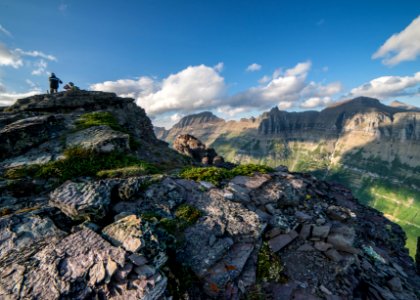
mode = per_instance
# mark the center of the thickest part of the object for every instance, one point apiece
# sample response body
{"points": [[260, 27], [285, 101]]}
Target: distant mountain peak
{"points": [[399, 104], [198, 118]]}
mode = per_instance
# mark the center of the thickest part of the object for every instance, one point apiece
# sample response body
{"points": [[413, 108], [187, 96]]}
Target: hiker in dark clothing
{"points": [[54, 82]]}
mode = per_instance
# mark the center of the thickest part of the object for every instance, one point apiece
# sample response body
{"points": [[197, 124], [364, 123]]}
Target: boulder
{"points": [[22, 135], [126, 233], [189, 145], [100, 139], [83, 201]]}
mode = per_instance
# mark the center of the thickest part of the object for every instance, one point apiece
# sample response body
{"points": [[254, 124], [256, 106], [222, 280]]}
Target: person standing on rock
{"points": [[54, 82]]}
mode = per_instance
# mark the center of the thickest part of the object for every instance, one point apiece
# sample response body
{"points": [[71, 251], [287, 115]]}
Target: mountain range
{"points": [[370, 147]]}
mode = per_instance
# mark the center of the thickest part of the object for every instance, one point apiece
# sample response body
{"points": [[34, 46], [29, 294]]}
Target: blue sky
{"points": [[236, 58]]}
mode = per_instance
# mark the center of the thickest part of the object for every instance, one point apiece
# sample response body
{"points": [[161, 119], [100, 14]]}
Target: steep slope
{"points": [[371, 147]]}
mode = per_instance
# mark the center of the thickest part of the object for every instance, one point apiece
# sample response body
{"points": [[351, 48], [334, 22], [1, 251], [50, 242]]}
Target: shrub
{"points": [[21, 171]]}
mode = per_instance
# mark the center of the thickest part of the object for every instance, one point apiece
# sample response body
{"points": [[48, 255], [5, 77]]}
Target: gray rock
{"points": [[19, 136], [395, 284], [126, 233], [282, 240], [101, 139], [83, 201], [321, 231]]}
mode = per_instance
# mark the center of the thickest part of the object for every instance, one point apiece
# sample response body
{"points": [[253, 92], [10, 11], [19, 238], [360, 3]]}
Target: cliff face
{"points": [[368, 146]]}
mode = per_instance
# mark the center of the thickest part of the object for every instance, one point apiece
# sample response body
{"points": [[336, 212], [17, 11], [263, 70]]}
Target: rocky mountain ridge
{"points": [[70, 229], [370, 147]]}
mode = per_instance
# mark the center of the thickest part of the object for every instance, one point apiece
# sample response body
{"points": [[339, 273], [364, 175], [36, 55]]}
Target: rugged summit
{"points": [[370, 147], [92, 207]]}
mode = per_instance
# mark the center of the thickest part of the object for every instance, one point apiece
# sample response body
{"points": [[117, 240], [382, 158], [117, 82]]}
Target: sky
{"points": [[234, 58]]}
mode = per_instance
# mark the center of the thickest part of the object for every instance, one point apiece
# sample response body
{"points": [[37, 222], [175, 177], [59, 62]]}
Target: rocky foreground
{"points": [[273, 235]]}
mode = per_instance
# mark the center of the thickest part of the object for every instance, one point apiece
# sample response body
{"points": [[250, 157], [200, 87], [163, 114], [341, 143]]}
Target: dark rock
{"points": [[188, 145], [282, 240]]}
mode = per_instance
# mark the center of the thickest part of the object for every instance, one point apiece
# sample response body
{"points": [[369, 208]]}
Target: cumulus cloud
{"points": [[196, 87], [8, 98], [403, 46], [315, 102], [5, 31], [201, 87], [285, 89], [253, 67], [9, 58], [386, 87]]}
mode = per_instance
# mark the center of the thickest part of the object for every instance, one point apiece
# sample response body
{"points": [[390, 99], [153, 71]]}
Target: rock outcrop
{"points": [[189, 145], [277, 235]]}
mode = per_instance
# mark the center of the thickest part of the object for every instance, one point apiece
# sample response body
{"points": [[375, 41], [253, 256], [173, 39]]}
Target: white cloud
{"points": [[9, 58], [264, 79], [36, 54], [284, 88], [283, 105], [403, 46], [253, 67], [194, 88], [5, 31], [315, 102], [198, 88], [41, 67], [8, 98], [389, 87], [219, 67]]}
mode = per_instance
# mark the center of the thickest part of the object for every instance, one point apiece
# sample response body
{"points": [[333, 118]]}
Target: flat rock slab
{"points": [[253, 182], [126, 233], [17, 137], [282, 240], [57, 267], [101, 139], [81, 201]]}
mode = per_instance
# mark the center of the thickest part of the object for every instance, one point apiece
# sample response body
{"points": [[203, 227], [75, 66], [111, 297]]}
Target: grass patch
{"points": [[210, 174], [137, 170], [97, 119], [217, 175], [250, 170], [81, 162], [104, 118]]}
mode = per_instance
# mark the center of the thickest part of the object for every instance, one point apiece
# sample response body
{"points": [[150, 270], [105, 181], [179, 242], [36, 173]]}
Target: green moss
{"points": [[137, 170], [80, 162], [217, 175], [97, 119], [210, 174], [250, 170], [21, 172], [187, 215], [269, 267]]}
